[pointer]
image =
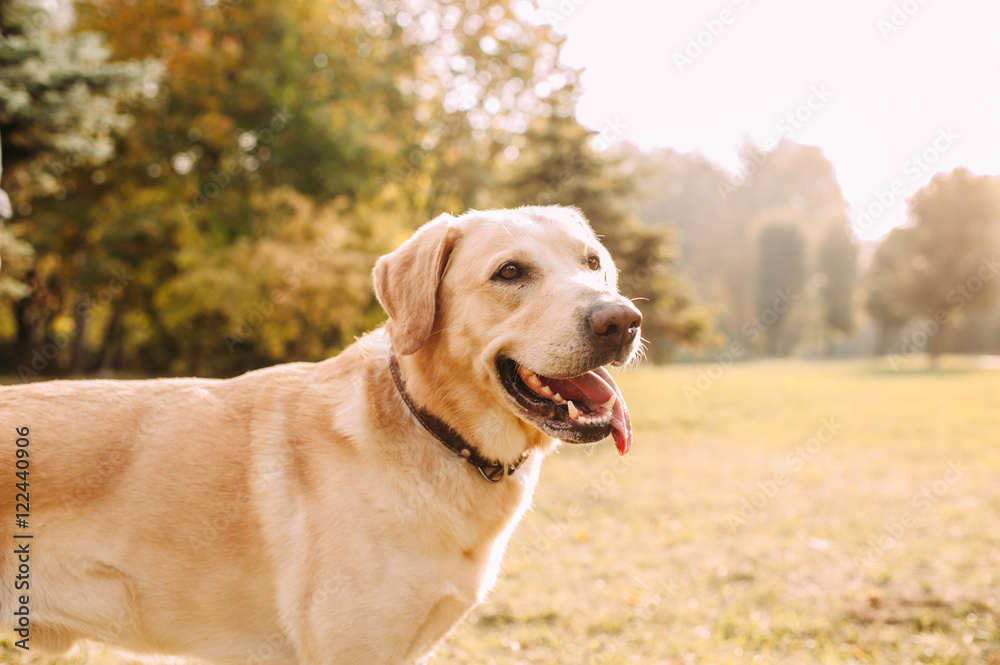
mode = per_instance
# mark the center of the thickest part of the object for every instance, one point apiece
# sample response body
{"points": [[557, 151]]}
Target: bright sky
{"points": [[900, 90]]}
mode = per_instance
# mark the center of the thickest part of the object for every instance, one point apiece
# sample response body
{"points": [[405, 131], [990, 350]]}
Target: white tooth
{"points": [[558, 399], [535, 381], [574, 413], [610, 403], [527, 372], [547, 391]]}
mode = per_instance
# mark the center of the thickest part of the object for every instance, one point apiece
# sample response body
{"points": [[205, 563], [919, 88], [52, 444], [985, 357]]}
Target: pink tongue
{"points": [[596, 388]]}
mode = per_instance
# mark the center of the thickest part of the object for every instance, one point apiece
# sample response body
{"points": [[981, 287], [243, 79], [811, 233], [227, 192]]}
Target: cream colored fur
{"points": [[300, 514]]}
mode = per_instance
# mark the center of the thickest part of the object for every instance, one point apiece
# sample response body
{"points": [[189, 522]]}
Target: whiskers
{"points": [[638, 355]]}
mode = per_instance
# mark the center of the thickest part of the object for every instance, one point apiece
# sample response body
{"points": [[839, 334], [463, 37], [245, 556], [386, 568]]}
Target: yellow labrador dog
{"points": [[338, 513]]}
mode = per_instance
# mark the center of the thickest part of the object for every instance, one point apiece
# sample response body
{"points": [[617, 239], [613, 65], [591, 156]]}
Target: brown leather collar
{"points": [[495, 472]]}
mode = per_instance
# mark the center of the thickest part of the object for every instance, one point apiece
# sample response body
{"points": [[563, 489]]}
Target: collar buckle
{"points": [[497, 474]]}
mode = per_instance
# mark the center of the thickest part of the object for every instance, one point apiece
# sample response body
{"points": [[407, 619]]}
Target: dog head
{"points": [[518, 308]]}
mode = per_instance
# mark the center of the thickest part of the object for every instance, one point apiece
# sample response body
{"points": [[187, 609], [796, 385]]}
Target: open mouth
{"points": [[581, 409]]}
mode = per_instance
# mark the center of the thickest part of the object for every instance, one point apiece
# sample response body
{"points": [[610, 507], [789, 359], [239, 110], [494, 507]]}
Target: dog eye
{"points": [[594, 263], [510, 271]]}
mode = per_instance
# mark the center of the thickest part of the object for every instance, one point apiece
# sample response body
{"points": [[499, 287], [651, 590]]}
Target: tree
{"points": [[942, 264], [296, 293], [366, 118], [5, 208], [678, 191], [794, 176], [957, 230], [717, 215], [19, 253], [891, 287], [58, 110], [58, 99], [837, 262], [781, 273], [799, 180]]}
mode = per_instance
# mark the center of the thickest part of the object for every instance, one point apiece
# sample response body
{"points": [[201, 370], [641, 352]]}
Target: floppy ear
{"points": [[406, 283]]}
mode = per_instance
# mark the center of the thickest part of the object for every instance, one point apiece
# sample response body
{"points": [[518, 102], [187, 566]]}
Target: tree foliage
{"points": [[287, 145], [719, 218], [837, 262], [943, 263], [891, 284], [59, 99], [781, 275]]}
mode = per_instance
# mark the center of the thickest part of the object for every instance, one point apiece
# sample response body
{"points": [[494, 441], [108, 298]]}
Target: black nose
{"points": [[615, 323]]}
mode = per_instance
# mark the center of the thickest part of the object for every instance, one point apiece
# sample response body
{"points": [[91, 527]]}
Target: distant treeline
{"points": [[772, 249]]}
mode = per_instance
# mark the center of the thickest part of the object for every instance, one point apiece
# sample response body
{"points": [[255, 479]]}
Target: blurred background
{"points": [[201, 187], [806, 199]]}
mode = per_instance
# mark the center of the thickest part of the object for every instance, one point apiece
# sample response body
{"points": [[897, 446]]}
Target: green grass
{"points": [[660, 566], [649, 559]]}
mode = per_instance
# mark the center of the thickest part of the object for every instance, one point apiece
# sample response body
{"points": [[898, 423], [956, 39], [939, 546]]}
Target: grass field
{"points": [[784, 513], [789, 513]]}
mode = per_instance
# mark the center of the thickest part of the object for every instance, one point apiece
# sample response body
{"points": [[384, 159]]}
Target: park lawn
{"points": [[771, 512], [827, 512]]}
